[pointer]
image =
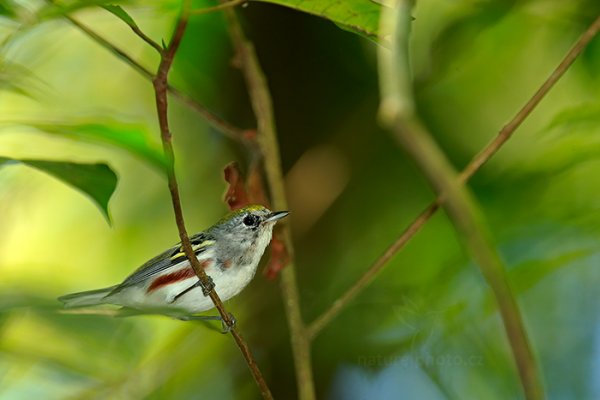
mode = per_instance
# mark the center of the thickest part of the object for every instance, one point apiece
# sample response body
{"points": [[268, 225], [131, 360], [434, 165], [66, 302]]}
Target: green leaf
{"points": [[52, 10], [98, 181], [570, 140], [357, 16], [130, 137], [120, 13], [19, 79], [586, 115], [8, 9]]}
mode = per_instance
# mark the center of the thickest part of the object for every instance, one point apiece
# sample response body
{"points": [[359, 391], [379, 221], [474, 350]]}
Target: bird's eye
{"points": [[251, 220]]}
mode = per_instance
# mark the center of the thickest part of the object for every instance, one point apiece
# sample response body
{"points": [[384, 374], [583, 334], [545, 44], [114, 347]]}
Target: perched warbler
{"points": [[229, 252]]}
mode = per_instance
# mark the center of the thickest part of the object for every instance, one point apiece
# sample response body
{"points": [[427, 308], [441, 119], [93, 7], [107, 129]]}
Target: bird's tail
{"points": [[85, 299]]}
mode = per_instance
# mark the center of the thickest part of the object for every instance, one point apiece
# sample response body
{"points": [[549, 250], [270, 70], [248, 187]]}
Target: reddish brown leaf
{"points": [[279, 258], [236, 195], [249, 134], [240, 194], [255, 187]]}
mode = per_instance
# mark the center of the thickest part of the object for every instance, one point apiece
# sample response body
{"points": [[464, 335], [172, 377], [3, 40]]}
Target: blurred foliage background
{"points": [[428, 327]]}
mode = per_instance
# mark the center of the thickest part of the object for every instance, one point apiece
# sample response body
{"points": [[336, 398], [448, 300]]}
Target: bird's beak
{"points": [[277, 215]]}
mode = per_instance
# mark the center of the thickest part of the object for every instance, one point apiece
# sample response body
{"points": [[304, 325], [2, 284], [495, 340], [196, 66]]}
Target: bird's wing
{"points": [[171, 257]]}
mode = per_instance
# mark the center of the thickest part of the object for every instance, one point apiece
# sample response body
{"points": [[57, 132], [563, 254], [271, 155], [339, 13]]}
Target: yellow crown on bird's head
{"points": [[243, 210]]}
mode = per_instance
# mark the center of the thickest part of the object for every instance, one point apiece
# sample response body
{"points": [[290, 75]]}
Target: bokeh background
{"points": [[428, 327]]}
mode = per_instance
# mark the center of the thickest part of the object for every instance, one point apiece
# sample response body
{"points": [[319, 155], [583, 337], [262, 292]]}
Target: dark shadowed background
{"points": [[428, 327]]}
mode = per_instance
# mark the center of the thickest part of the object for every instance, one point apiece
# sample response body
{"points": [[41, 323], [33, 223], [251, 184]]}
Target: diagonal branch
{"points": [[222, 6], [160, 88], [267, 142], [400, 116], [136, 29], [216, 122], [476, 163]]}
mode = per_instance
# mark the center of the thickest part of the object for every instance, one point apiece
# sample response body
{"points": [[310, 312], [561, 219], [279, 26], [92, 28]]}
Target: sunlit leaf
{"points": [[584, 115], [18, 79], [98, 181], [55, 10], [67, 332], [8, 9], [358, 16], [120, 13], [130, 137]]}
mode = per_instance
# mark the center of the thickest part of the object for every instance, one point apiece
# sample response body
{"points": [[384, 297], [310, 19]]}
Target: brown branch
{"points": [[219, 7], [267, 142], [462, 208], [160, 88], [476, 163], [120, 54], [468, 220], [216, 122], [342, 302], [133, 25], [136, 29], [518, 119]]}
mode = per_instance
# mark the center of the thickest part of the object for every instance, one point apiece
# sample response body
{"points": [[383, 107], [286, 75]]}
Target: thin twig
{"points": [[123, 16], [120, 54], [468, 221], [365, 279], [260, 98], [518, 119], [462, 208], [216, 122], [136, 29], [479, 160], [219, 7], [160, 88]]}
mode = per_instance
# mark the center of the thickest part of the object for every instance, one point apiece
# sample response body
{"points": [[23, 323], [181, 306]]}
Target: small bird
{"points": [[229, 252]]}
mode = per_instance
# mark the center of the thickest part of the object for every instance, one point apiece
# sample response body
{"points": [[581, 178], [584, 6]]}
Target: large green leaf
{"points": [[130, 137], [19, 79], [8, 9], [59, 9], [570, 140], [358, 16], [98, 181]]}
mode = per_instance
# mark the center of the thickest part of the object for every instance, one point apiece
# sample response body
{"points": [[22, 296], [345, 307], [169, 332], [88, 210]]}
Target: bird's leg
{"points": [[198, 318], [224, 327], [208, 286], [227, 328], [205, 289]]}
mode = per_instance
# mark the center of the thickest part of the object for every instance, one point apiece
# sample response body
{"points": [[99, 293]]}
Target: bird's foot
{"points": [[225, 328], [207, 286]]}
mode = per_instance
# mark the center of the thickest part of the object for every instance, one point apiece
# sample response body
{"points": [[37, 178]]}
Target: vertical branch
{"points": [[267, 141], [398, 113], [480, 159], [160, 87]]}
